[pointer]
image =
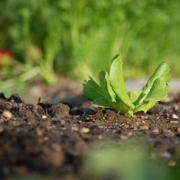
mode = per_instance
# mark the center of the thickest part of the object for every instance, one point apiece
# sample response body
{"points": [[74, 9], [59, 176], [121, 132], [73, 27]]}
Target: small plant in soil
{"points": [[110, 90]]}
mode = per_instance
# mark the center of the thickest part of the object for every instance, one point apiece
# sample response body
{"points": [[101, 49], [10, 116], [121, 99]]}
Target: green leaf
{"points": [[109, 88], [133, 95], [155, 89], [111, 91], [158, 91], [101, 79], [117, 82], [96, 93]]}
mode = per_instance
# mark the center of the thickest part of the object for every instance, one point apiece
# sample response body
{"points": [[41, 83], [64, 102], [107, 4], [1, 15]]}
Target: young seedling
{"points": [[111, 92]]}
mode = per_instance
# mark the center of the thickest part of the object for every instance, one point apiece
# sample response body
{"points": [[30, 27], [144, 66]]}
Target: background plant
{"points": [[64, 36], [127, 161]]}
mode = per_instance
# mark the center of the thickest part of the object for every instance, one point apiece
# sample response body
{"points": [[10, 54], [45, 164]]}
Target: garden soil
{"points": [[52, 137]]}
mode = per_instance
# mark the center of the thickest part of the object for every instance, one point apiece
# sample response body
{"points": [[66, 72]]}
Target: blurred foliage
{"points": [[80, 37], [127, 161]]}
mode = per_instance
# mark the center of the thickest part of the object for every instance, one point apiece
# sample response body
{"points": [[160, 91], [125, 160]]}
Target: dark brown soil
{"points": [[53, 138]]}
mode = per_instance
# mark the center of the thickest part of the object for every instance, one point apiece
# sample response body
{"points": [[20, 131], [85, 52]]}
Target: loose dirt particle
{"points": [[156, 130], [178, 129], [40, 132], [84, 130], [7, 114], [174, 116], [60, 110], [144, 127], [74, 128], [174, 122], [44, 116]]}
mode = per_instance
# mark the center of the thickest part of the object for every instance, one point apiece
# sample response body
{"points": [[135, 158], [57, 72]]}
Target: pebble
{"points": [[74, 128], [85, 130], [144, 127], [173, 122], [7, 114], [63, 121], [156, 131], [101, 127], [174, 116], [178, 129], [176, 108], [44, 116], [169, 133], [40, 132], [60, 110], [55, 119], [130, 133]]}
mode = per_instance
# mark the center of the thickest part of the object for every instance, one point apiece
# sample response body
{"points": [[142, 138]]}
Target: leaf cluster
{"points": [[111, 92]]}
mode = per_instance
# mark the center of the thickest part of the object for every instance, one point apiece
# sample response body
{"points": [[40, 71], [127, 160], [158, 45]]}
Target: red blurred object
{"points": [[5, 55]]}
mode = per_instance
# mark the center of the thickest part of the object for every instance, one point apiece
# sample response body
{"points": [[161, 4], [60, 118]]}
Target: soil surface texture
{"points": [[53, 137]]}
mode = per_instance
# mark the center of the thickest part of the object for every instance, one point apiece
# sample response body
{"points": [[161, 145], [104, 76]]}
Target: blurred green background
{"points": [[77, 38]]}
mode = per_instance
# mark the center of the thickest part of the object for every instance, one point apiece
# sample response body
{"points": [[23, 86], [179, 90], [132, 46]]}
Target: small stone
{"points": [[173, 122], [169, 133], [40, 132], [144, 127], [60, 110], [7, 114], [130, 133], [84, 130], [176, 108], [156, 130], [174, 116], [55, 119], [63, 121], [44, 117], [74, 128], [178, 130]]}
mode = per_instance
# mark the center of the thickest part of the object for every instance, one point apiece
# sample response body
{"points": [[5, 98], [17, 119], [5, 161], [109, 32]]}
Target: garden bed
{"points": [[52, 138]]}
